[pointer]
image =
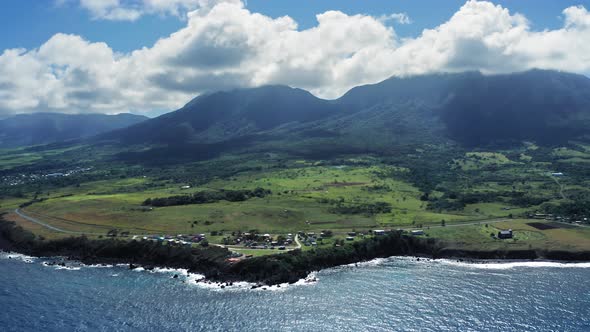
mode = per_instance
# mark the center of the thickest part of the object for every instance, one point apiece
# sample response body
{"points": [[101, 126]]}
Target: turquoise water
{"points": [[382, 295]]}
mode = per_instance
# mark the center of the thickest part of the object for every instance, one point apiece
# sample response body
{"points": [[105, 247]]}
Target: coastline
{"points": [[269, 270]]}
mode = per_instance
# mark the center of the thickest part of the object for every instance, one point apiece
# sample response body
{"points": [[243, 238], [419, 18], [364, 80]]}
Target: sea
{"points": [[394, 294]]}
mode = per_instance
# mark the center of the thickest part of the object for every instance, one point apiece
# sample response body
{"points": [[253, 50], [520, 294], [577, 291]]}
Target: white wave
{"points": [[99, 266], [138, 269], [69, 268], [217, 286], [372, 262], [514, 264], [194, 277], [182, 272], [200, 281], [17, 256]]}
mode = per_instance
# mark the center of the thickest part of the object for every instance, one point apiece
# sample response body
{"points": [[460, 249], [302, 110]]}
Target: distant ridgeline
{"points": [[471, 109], [203, 197]]}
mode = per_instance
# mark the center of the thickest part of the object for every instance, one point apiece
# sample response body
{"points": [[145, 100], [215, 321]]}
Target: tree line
{"points": [[203, 197]]}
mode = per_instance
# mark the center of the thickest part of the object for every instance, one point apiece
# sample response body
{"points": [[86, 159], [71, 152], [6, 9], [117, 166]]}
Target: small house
{"points": [[417, 232], [505, 234], [349, 238], [379, 232]]}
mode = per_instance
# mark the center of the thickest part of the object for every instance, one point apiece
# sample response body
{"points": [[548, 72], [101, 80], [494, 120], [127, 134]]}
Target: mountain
{"points": [[44, 128], [226, 115], [473, 109], [470, 109]]}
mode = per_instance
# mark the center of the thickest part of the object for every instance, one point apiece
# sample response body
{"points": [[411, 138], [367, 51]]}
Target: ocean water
{"points": [[396, 294]]}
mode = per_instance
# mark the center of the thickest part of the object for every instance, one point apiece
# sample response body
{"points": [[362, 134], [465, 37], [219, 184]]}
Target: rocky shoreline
{"points": [[288, 267]]}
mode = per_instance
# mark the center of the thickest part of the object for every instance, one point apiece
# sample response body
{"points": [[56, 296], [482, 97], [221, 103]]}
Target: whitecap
{"points": [[515, 264], [69, 268], [99, 266]]}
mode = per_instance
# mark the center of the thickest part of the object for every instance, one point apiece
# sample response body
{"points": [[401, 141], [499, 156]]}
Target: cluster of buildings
{"points": [[263, 241], [311, 238], [180, 239], [549, 216], [22, 178], [416, 232]]}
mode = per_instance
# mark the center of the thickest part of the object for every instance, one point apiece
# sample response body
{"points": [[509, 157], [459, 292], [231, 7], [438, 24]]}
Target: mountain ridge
{"points": [[45, 127], [468, 108]]}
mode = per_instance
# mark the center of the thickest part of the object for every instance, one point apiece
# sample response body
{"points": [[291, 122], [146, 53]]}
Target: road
{"points": [[486, 221], [560, 187], [37, 221], [297, 241], [22, 214], [57, 229]]}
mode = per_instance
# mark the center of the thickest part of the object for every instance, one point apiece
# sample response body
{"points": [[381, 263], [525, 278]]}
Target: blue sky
{"points": [[29, 23], [152, 56]]}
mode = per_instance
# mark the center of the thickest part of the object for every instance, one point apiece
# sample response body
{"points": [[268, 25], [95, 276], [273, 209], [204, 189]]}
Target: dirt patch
{"points": [[542, 226], [344, 184], [321, 222]]}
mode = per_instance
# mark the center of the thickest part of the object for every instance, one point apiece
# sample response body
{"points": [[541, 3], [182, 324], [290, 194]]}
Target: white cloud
{"points": [[224, 45], [131, 10], [400, 18]]}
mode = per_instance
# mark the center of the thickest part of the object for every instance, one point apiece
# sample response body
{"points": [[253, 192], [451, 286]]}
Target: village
{"points": [[24, 178]]}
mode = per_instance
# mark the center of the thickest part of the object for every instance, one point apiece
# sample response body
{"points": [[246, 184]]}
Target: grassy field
{"points": [[294, 205], [477, 160], [304, 196], [478, 237]]}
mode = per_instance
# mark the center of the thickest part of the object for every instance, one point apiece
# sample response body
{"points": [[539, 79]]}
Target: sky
{"points": [[153, 56]]}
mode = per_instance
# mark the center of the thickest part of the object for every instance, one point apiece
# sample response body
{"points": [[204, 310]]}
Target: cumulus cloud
{"points": [[224, 45]]}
